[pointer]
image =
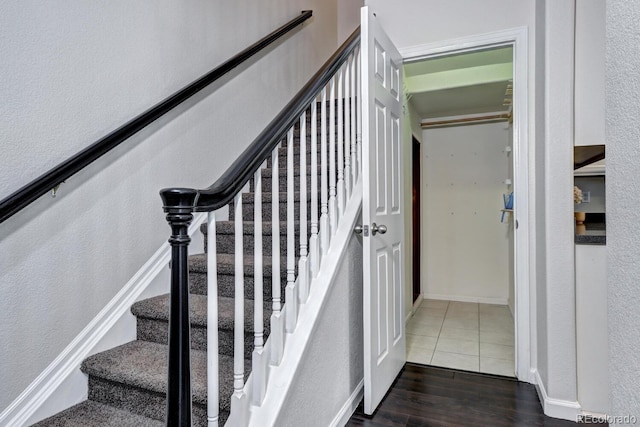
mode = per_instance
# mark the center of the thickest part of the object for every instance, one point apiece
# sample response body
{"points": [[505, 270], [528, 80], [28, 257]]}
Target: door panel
{"points": [[383, 258]]}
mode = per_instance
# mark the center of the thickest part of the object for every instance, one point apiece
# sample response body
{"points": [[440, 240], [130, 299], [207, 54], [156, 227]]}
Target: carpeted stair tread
{"points": [[226, 264], [267, 197], [267, 173], [248, 227], [94, 414], [158, 308], [143, 365]]}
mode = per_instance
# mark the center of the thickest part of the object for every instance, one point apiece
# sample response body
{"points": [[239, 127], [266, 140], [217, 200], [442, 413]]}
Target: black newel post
{"points": [[178, 204]]}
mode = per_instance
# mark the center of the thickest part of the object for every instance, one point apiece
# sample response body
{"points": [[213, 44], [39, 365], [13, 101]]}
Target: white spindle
{"points": [[324, 203], [303, 263], [347, 128], [314, 243], [277, 326], [340, 162], [213, 381], [354, 99], [238, 399], [259, 365], [333, 210], [291, 305]]}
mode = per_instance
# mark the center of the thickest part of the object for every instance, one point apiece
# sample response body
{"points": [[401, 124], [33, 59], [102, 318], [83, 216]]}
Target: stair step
{"points": [[267, 177], [282, 156], [94, 414], [226, 275], [153, 321], [248, 200], [225, 237], [133, 377]]}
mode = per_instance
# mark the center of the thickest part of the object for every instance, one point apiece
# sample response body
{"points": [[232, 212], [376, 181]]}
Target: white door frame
{"points": [[517, 37]]}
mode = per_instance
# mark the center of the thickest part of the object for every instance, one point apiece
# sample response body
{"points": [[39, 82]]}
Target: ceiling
{"points": [[461, 84]]}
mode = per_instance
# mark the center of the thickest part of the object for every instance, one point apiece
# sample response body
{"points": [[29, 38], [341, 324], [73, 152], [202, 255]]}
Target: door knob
{"points": [[378, 229]]}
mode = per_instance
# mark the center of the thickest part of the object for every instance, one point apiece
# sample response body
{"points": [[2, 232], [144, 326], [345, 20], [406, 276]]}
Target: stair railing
{"points": [[335, 86]]}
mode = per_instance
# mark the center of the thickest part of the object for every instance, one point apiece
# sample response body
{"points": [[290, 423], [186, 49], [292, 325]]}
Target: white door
{"points": [[384, 250]]}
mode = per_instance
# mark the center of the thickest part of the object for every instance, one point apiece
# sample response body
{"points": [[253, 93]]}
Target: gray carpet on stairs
{"points": [[127, 384], [93, 414]]}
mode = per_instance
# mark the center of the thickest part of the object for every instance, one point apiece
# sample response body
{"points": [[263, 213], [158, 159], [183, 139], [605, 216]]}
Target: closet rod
{"points": [[467, 120]]}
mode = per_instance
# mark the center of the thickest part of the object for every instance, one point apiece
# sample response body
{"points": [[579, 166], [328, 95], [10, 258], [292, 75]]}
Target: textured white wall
{"points": [[623, 211], [539, 272], [466, 250], [348, 17], [589, 84], [559, 348], [71, 72], [333, 365], [415, 22]]}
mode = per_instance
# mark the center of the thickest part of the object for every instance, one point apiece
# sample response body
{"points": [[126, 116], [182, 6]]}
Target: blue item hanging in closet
{"points": [[508, 204]]}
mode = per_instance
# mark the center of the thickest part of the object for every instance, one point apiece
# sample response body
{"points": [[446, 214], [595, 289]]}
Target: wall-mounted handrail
{"points": [[49, 180]]}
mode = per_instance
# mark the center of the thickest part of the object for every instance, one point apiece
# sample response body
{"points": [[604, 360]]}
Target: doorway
{"points": [[521, 344]]}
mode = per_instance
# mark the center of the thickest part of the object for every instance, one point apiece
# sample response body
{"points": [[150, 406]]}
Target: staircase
{"points": [[127, 384], [313, 137]]}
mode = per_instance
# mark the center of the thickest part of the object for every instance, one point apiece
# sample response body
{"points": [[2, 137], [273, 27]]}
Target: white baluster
{"points": [[354, 99], [333, 209], [303, 262], [239, 401], [259, 359], [347, 128], [325, 234], [277, 324], [213, 381], [291, 305], [340, 162], [314, 242]]}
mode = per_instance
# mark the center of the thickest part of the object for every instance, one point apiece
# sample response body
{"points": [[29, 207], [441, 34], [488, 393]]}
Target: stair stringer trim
{"points": [[62, 384], [296, 344]]}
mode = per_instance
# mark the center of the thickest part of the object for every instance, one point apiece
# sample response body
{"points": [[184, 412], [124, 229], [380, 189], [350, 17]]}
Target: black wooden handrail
{"points": [[36, 188]]}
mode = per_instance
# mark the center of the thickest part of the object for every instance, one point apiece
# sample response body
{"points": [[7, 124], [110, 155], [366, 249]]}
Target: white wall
{"points": [[623, 212], [589, 74], [71, 72], [348, 17], [466, 251], [591, 328], [415, 22], [557, 366], [333, 365]]}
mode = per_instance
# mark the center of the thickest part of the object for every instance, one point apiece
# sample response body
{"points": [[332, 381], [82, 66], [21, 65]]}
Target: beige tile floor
{"points": [[462, 335]]}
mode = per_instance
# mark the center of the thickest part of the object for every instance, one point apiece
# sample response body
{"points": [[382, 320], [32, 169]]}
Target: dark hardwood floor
{"points": [[427, 396]]}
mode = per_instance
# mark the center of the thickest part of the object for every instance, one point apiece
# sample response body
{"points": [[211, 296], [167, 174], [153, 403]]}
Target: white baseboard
{"points": [[349, 407], [556, 408], [482, 300], [62, 384]]}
